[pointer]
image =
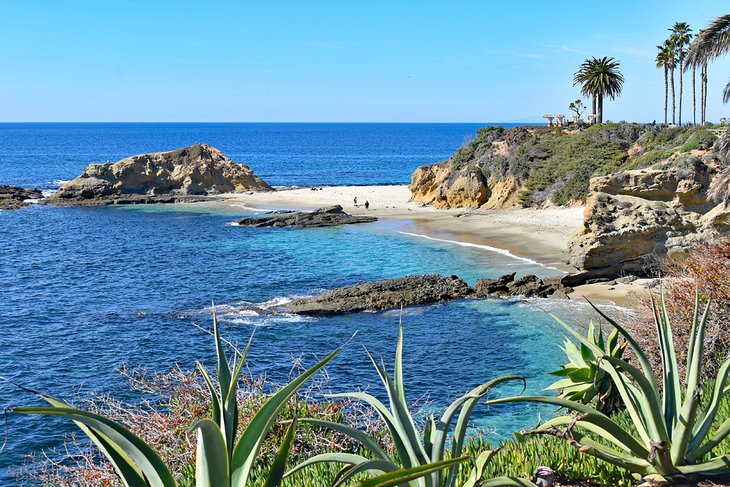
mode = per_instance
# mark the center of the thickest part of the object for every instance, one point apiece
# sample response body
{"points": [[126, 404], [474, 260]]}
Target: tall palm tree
{"points": [[711, 42], [665, 59], [681, 37], [671, 52], [599, 77]]}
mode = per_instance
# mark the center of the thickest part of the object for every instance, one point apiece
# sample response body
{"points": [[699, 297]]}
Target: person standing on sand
{"points": [[355, 201], [367, 205]]}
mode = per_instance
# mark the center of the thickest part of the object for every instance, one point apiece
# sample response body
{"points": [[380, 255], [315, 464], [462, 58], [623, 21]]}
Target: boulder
{"points": [[323, 217], [13, 197], [528, 286], [636, 218], [197, 170], [379, 295]]}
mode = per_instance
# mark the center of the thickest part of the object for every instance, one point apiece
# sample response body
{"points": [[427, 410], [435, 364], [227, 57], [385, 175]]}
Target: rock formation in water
{"points": [[636, 218], [378, 295], [13, 198], [528, 286], [160, 177], [422, 289], [323, 217]]}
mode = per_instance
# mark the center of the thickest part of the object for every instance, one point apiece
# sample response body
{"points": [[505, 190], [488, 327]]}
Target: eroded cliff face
{"points": [[196, 170], [633, 219]]}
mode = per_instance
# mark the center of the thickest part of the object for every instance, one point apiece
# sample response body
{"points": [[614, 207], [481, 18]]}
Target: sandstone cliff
{"points": [[634, 219], [196, 170], [538, 166]]}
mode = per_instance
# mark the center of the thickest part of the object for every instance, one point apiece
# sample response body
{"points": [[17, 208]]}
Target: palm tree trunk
{"points": [[666, 92], [599, 115], [681, 76], [593, 106], [694, 96], [704, 97], [674, 106]]}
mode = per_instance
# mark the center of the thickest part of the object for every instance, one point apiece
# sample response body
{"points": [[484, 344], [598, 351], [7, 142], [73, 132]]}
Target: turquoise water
{"points": [[84, 290]]}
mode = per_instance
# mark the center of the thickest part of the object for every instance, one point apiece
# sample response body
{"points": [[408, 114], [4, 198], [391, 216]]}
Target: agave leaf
{"points": [[398, 373], [127, 470], [387, 418], [683, 430], [373, 467], [610, 429], [463, 422], [403, 424], [633, 464], [672, 394], [402, 477], [709, 417], [276, 472], [141, 455], [334, 457], [366, 440], [715, 467], [477, 472], [215, 402], [211, 459], [248, 445], [640, 354], [429, 430]]}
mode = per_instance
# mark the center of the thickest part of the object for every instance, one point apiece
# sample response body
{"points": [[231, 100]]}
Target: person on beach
{"points": [[367, 205], [355, 201]]}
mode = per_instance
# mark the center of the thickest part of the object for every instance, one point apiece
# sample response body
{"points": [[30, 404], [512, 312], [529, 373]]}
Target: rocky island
{"points": [[13, 197], [323, 217], [160, 177]]}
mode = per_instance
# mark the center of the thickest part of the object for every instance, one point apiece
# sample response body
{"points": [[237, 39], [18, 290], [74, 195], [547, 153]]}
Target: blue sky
{"points": [[369, 61]]}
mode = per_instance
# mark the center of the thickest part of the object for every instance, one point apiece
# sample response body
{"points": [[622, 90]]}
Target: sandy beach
{"points": [[536, 234]]}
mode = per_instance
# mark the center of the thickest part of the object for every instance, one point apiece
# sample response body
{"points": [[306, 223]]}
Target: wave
{"points": [[256, 314], [496, 250], [59, 182]]}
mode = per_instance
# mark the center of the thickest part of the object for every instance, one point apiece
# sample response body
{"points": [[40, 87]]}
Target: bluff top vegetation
{"points": [[554, 165]]}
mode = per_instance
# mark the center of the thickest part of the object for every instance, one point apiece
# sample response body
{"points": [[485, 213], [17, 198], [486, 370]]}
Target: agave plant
{"points": [[220, 460], [415, 452], [583, 379], [675, 431]]}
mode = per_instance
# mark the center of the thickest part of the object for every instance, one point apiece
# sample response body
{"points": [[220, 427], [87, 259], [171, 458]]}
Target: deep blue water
{"points": [[83, 290]]}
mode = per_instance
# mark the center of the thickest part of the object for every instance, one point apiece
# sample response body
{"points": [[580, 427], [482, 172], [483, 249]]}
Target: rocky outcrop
{"points": [[528, 286], [323, 217], [197, 170], [635, 218], [443, 186], [379, 295], [13, 197]]}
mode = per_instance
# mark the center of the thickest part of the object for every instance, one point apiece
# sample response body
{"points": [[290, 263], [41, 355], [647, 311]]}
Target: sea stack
{"points": [[160, 177]]}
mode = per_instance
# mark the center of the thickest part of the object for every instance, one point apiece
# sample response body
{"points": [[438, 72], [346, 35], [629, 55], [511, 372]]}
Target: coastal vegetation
{"points": [[666, 430], [552, 165]]}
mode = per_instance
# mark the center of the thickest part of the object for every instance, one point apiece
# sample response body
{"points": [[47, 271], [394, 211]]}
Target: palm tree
{"points": [[665, 59], [681, 38], [711, 42], [599, 77]]}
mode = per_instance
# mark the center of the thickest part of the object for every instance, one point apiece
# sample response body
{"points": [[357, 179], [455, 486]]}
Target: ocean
{"points": [[86, 290]]}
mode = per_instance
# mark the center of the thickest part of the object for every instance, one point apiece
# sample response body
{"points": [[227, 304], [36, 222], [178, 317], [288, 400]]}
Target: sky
{"points": [[334, 61]]}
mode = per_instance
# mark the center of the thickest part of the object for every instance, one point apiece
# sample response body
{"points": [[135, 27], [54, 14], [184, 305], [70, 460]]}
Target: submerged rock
{"points": [[323, 217], [13, 197], [160, 177], [379, 295]]}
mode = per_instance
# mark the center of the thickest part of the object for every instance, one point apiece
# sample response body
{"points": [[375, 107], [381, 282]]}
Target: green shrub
{"points": [[700, 139]]}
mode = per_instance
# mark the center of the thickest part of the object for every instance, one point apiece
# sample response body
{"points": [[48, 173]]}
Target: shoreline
{"points": [[537, 235]]}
